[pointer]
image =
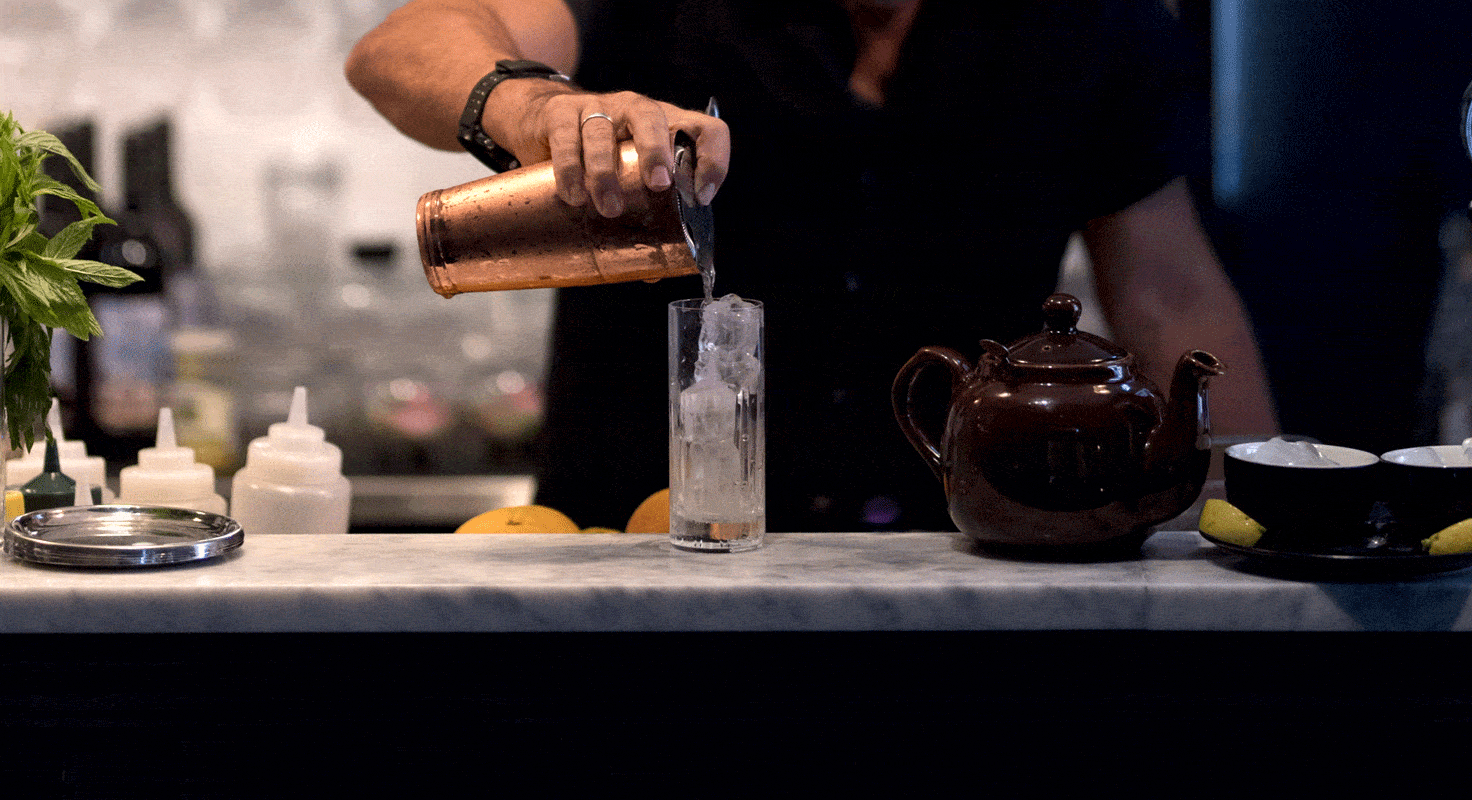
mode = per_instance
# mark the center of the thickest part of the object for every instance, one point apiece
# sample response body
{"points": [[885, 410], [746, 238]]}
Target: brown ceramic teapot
{"points": [[1055, 446]]}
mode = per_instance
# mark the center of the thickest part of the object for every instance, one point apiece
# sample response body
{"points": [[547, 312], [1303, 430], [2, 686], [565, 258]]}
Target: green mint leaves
{"points": [[39, 288]]}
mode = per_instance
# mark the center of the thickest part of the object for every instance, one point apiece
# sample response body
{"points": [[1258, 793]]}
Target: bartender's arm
{"points": [[418, 68], [1164, 292]]}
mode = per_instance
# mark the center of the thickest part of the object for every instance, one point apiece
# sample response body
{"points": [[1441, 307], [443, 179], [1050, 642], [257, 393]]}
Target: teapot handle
{"points": [[902, 395]]}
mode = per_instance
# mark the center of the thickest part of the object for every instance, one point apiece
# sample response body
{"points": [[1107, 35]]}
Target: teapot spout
{"points": [[1178, 453], [1187, 407]]}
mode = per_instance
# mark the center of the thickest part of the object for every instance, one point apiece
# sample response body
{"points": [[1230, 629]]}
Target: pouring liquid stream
{"points": [[708, 278], [708, 263]]}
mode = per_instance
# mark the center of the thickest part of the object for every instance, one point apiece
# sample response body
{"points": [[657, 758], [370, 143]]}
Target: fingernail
{"points": [[707, 194], [659, 177], [612, 205]]}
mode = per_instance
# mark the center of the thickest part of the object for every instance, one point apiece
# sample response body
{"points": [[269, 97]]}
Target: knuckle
{"points": [[599, 161], [562, 103], [566, 162], [563, 138]]}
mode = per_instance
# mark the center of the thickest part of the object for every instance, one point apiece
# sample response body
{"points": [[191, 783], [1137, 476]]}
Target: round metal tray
{"points": [[120, 536]]}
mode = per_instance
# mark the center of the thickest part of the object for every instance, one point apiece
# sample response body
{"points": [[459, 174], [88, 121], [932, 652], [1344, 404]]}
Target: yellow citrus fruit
{"points": [[520, 519], [1451, 539], [601, 530], [1222, 520], [652, 515]]}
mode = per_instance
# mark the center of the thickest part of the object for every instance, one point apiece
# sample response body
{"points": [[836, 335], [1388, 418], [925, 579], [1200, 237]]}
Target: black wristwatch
{"points": [[472, 136]]}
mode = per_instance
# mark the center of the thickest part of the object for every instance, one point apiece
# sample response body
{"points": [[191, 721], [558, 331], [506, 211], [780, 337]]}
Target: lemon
{"points": [[1451, 539], [596, 529], [1222, 520], [652, 515], [520, 519], [15, 504]]}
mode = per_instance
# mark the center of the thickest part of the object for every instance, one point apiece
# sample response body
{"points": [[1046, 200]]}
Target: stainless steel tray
{"points": [[120, 536]]}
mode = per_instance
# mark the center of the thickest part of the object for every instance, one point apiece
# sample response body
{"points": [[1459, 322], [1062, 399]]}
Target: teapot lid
{"points": [[1061, 343]]}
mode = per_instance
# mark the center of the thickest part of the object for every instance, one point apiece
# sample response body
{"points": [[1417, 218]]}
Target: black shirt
{"points": [[938, 219]]}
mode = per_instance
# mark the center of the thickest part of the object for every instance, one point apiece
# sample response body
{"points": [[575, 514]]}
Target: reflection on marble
{"points": [[625, 582]]}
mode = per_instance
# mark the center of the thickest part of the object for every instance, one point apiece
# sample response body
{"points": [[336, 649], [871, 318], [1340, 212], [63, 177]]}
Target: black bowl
{"points": [[1306, 507], [1427, 488]]}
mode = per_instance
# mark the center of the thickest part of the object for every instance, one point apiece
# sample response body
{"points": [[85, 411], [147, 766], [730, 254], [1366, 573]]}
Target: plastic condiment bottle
{"points": [[75, 462], [51, 488], [167, 475], [292, 481]]}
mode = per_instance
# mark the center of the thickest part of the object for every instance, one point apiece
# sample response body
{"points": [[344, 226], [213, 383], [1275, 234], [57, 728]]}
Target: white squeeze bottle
{"points": [[292, 481], [167, 475]]}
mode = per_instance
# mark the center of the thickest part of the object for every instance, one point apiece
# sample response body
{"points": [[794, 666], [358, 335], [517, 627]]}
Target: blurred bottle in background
{"points": [[203, 395], [124, 376]]}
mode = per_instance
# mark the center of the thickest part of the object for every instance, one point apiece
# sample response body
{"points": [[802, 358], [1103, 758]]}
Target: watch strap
{"points": [[472, 135]]}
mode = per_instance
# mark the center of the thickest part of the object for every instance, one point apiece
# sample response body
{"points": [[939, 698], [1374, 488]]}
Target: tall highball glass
{"points": [[717, 425]]}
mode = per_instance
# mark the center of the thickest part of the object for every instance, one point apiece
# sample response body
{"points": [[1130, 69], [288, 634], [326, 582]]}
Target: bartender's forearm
{"points": [[419, 65], [1164, 292]]}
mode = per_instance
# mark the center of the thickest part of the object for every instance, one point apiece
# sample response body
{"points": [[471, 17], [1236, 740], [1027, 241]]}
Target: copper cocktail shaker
{"points": [[511, 231]]}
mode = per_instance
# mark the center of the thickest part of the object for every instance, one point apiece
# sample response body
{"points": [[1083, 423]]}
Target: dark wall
{"points": [[1337, 158]]}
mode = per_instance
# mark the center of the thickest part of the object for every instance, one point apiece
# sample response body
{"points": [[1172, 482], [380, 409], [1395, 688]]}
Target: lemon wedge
{"points": [[1455, 538], [1224, 521]]}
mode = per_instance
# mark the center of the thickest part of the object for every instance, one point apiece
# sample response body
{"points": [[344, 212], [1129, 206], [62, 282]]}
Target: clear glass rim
{"points": [[696, 303]]}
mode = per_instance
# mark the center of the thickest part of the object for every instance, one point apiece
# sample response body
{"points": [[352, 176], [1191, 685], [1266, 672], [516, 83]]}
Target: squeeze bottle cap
{"points": [[166, 471], [295, 451], [67, 449], [165, 452]]}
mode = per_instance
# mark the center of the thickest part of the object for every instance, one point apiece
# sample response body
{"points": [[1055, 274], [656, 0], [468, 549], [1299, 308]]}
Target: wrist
{"points": [[514, 116], [483, 129]]}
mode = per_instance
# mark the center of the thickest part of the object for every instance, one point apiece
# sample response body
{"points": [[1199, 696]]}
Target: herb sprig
{"points": [[39, 290]]}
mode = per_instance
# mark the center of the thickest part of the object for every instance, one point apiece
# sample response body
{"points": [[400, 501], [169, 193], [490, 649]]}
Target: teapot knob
{"points": [[1061, 313]]}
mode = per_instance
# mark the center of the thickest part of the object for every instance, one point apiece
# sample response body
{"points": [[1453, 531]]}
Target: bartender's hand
{"points": [[419, 65], [580, 132]]}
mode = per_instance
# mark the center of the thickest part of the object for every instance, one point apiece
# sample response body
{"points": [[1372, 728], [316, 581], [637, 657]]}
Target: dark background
{"points": [[1337, 161]]}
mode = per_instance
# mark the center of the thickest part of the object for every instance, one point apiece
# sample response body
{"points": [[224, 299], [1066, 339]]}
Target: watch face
{"points": [[524, 67]]}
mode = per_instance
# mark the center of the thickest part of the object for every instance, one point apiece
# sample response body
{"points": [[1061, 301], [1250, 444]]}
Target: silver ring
{"points": [[596, 115]]}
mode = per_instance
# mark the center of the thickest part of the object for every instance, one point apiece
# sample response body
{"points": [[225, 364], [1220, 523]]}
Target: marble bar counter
{"points": [[621, 583]]}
